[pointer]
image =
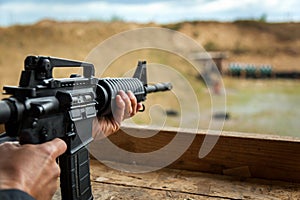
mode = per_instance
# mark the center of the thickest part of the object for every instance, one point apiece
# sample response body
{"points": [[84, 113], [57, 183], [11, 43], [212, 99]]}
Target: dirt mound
{"points": [[277, 44], [245, 41]]}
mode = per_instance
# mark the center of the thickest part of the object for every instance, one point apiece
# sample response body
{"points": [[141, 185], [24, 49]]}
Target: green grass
{"points": [[263, 106]]}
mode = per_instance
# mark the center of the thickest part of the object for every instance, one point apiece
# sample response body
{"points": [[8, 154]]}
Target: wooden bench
{"points": [[240, 166]]}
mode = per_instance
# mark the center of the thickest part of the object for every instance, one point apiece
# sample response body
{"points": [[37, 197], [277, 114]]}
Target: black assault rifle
{"points": [[42, 108]]}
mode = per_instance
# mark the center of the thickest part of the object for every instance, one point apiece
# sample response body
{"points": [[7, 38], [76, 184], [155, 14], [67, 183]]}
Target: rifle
{"points": [[42, 108]]}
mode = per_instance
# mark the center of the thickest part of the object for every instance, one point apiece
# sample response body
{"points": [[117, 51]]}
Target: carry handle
{"points": [[45, 65]]}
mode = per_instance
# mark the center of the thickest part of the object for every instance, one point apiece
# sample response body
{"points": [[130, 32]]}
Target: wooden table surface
{"points": [[110, 184]]}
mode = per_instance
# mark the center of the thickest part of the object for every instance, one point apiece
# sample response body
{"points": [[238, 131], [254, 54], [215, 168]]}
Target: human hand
{"points": [[31, 168], [126, 107]]}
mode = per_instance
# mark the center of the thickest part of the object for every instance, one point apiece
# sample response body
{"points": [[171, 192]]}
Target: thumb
{"points": [[54, 147]]}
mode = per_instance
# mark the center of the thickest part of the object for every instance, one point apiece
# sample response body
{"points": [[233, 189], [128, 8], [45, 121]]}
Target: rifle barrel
{"points": [[159, 87]]}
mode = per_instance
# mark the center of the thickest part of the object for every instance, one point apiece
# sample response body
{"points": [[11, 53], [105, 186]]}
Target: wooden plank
{"points": [[176, 184], [195, 185], [238, 154], [104, 191], [116, 192]]}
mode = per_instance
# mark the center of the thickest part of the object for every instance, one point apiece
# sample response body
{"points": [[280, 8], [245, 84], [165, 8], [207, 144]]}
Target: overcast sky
{"points": [[164, 11]]}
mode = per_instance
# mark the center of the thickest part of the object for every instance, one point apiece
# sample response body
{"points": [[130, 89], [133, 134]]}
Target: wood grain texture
{"points": [[238, 154], [110, 184], [238, 167]]}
